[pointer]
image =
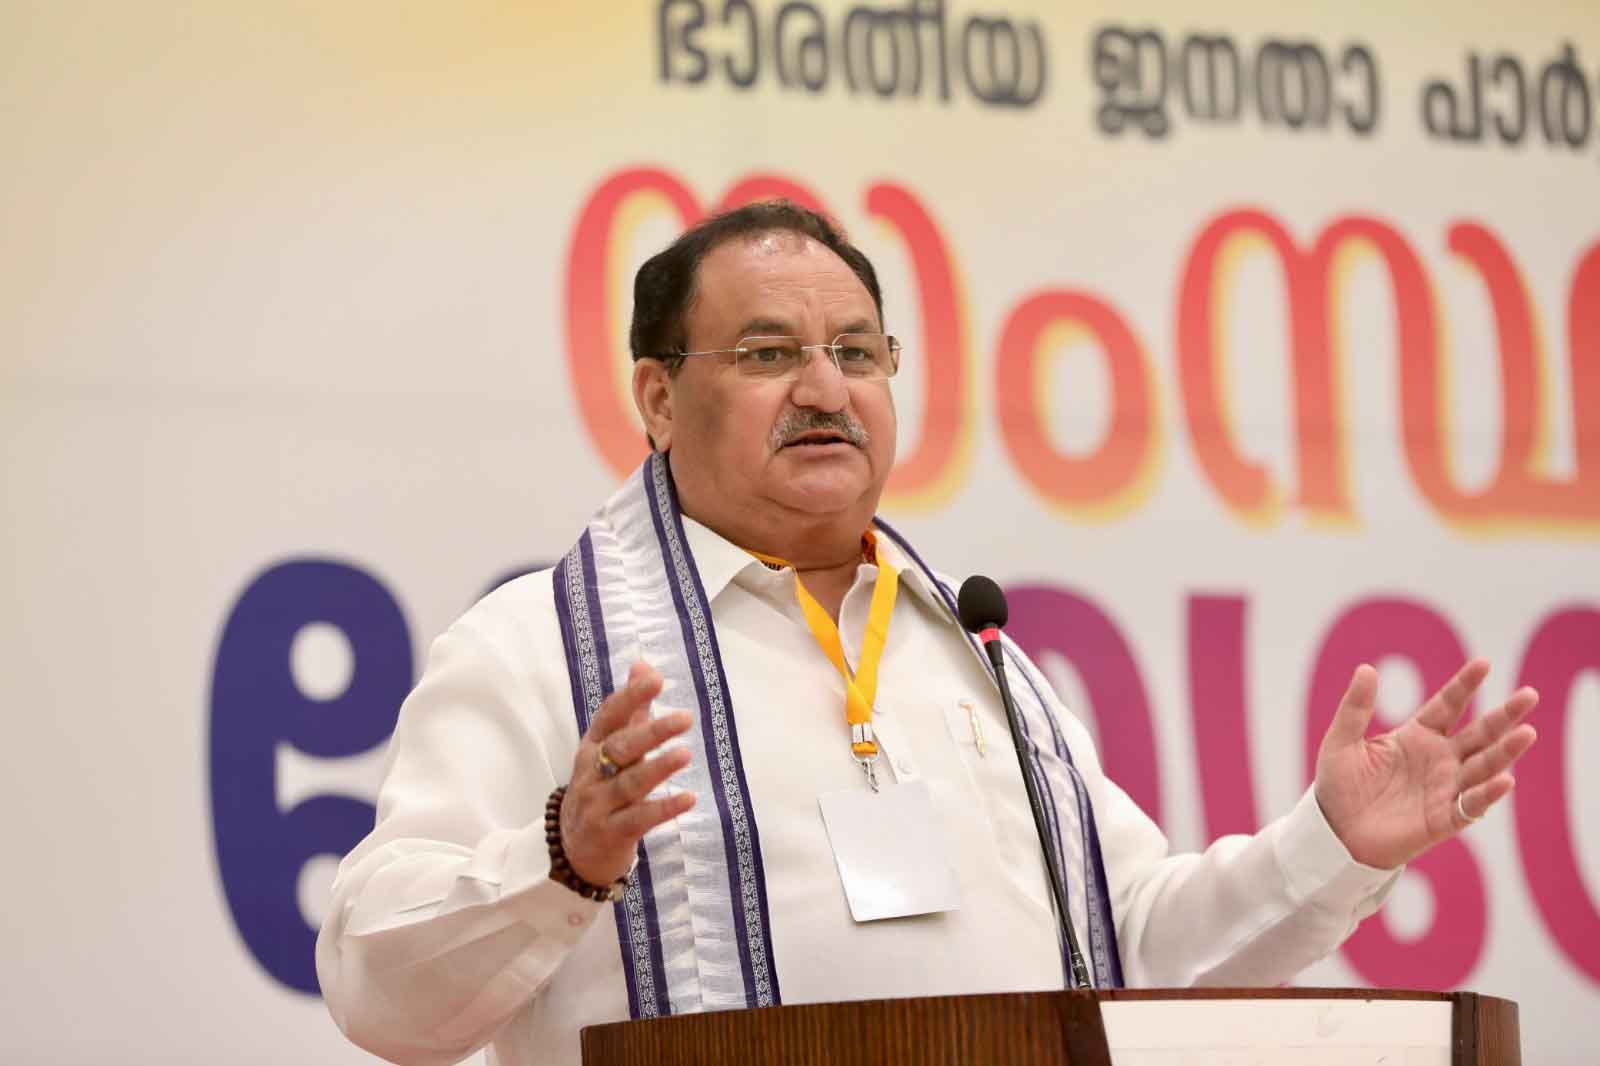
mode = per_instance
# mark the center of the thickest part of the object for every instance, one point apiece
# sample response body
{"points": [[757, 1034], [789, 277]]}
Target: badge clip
{"points": [[864, 749], [869, 766]]}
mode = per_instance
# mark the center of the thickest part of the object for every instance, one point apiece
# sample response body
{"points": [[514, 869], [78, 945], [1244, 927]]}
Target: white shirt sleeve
{"points": [[444, 922], [1247, 911]]}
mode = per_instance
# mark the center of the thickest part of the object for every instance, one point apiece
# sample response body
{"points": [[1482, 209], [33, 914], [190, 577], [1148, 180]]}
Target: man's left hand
{"points": [[1391, 797]]}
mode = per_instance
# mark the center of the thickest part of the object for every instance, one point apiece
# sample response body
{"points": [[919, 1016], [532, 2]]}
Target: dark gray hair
{"points": [[665, 284]]}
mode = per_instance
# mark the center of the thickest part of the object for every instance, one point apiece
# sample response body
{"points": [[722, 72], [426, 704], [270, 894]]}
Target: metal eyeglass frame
{"points": [[832, 348]]}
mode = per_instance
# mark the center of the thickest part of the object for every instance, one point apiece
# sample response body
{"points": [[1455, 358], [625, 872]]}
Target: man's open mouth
{"points": [[818, 436]]}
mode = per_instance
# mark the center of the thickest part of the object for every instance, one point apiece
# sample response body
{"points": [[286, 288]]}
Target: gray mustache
{"points": [[796, 421]]}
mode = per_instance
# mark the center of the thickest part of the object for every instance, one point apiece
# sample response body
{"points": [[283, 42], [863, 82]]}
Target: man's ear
{"points": [[652, 395]]}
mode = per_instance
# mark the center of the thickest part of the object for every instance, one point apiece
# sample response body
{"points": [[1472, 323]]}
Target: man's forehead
{"points": [[779, 241], [746, 275], [773, 251]]}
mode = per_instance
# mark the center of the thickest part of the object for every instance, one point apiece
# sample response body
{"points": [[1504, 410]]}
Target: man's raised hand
{"points": [[1391, 797], [603, 817]]}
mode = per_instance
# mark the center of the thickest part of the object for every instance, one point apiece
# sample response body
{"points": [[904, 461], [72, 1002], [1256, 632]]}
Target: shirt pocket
{"points": [[994, 779], [971, 737]]}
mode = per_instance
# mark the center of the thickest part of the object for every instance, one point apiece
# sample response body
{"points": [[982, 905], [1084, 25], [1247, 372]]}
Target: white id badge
{"points": [[892, 854]]}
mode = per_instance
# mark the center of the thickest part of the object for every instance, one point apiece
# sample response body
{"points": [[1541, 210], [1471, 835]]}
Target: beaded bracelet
{"points": [[561, 870]]}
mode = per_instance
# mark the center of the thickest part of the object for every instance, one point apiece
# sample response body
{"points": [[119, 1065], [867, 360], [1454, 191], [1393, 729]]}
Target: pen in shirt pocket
{"points": [[977, 727]]}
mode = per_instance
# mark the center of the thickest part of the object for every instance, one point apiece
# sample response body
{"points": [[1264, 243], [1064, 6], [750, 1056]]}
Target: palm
{"points": [[1393, 796]]}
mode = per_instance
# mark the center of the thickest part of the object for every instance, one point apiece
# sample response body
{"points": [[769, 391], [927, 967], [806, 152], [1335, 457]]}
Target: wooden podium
{"points": [[1122, 1027]]}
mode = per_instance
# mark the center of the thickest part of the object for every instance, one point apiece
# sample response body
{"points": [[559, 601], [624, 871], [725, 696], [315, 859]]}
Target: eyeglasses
{"points": [[863, 356]]}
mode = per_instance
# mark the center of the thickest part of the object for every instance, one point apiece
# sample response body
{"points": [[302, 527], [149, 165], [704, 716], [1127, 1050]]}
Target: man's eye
{"points": [[768, 355], [854, 355]]}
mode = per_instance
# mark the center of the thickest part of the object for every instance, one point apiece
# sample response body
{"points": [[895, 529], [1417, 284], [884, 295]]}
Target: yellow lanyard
{"points": [[861, 689]]}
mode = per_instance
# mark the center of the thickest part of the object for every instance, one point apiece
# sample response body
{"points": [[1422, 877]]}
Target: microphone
{"points": [[982, 609]]}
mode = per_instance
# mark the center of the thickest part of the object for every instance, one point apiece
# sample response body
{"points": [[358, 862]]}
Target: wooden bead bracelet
{"points": [[561, 870]]}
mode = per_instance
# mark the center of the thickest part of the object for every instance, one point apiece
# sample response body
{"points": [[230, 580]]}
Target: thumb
{"points": [[1355, 711]]}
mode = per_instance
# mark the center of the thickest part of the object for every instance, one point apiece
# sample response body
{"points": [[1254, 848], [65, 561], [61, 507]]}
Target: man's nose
{"points": [[821, 383]]}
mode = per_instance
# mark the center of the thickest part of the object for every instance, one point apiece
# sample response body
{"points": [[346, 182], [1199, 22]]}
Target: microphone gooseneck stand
{"points": [[982, 606]]}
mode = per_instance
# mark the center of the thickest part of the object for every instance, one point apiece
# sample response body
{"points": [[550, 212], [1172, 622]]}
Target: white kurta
{"points": [[446, 934]]}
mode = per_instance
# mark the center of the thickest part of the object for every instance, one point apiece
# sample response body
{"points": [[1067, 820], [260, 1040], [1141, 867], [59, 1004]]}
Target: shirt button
{"points": [[904, 766], [574, 920]]}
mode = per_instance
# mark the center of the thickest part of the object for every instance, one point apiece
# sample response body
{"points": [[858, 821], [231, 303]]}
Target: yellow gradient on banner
{"points": [[513, 53], [294, 281]]}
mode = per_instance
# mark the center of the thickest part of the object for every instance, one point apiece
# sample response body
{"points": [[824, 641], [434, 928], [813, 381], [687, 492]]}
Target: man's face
{"points": [[740, 452]]}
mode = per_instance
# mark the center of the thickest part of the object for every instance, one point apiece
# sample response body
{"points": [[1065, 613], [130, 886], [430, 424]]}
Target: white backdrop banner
{"points": [[1244, 344]]}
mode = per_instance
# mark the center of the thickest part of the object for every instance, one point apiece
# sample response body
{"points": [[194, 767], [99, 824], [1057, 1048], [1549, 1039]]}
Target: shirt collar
{"points": [[720, 561], [911, 575]]}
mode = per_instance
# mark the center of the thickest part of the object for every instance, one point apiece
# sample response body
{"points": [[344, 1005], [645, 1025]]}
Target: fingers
{"points": [[600, 839], [619, 708], [637, 819], [1492, 726], [1490, 747], [1445, 709], [639, 738], [1355, 711], [1497, 757], [630, 748], [1476, 801], [640, 779]]}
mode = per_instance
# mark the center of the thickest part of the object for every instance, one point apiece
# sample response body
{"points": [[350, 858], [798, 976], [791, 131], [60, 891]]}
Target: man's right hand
{"points": [[603, 818]]}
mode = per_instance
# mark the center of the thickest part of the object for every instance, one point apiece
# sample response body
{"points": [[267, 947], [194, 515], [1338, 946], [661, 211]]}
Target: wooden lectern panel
{"points": [[1021, 1028], [1487, 1031], [1243, 1026]]}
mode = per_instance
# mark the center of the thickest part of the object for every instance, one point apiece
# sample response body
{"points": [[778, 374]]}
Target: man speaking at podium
{"points": [[737, 750]]}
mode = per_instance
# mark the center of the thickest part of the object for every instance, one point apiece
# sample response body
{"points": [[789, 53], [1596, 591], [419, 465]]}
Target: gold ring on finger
{"points": [[1461, 809], [604, 763]]}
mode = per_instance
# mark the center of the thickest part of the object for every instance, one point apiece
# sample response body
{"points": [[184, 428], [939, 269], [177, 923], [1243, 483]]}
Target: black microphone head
{"points": [[981, 604]]}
